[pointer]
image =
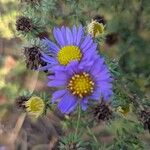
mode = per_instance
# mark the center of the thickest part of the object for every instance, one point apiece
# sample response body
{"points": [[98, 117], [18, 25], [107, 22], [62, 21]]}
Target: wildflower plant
{"points": [[90, 87]]}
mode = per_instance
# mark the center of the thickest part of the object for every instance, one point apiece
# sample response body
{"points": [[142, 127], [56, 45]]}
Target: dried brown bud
{"points": [[33, 57], [24, 24], [111, 38], [145, 119], [100, 19], [20, 102], [102, 112], [43, 35]]}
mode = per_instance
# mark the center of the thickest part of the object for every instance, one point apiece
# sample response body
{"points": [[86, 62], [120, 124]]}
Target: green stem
{"points": [[91, 133], [79, 114]]}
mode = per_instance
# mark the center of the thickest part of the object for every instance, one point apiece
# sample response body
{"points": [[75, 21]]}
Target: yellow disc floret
{"points": [[81, 85], [125, 110], [35, 106], [68, 54], [95, 28]]}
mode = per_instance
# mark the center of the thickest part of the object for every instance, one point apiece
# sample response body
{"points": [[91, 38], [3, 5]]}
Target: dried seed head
{"points": [[20, 102], [99, 19], [43, 35], [33, 57], [111, 39], [144, 117], [24, 24], [102, 112]]}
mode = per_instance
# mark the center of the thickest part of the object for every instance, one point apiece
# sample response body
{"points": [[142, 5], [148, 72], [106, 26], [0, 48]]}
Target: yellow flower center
{"points": [[124, 110], [68, 54], [96, 28], [35, 106], [81, 85]]}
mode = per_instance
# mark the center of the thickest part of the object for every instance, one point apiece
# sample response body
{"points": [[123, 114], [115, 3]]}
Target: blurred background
{"points": [[127, 42]]}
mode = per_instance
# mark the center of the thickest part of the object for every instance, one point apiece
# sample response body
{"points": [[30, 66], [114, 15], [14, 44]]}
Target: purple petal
{"points": [[87, 39], [107, 94], [104, 78], [51, 77], [91, 48], [69, 36], [48, 59], [79, 35], [72, 108], [57, 83], [102, 74], [96, 95], [88, 45], [88, 56], [74, 33], [96, 69], [84, 104], [59, 37], [72, 67], [104, 85], [58, 68], [63, 31], [67, 103], [85, 65], [58, 95], [61, 76], [52, 46]]}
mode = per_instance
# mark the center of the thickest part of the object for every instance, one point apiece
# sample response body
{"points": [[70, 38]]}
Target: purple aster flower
{"points": [[71, 45], [79, 82]]}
